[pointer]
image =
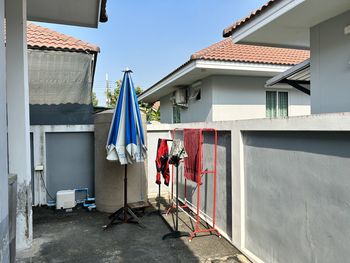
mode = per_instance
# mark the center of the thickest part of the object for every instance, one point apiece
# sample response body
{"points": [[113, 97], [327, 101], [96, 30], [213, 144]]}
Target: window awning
{"points": [[297, 77]]}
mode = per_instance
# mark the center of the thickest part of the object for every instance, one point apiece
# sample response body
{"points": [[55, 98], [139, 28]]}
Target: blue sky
{"points": [[153, 37]]}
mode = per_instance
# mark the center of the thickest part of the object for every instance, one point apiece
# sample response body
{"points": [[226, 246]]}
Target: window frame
{"points": [[174, 108], [277, 91]]}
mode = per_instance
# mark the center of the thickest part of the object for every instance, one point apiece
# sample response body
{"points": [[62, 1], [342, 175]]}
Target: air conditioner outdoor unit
{"points": [[65, 199], [181, 96]]}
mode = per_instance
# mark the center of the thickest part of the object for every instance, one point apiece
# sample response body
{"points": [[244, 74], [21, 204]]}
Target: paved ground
{"points": [[78, 237]]}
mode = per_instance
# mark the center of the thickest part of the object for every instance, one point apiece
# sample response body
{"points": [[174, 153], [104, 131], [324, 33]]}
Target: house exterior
{"points": [[14, 100], [291, 176], [226, 81], [61, 72], [324, 30]]}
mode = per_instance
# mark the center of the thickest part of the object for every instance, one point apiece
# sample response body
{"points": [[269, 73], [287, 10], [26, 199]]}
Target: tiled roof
{"points": [[226, 50], [228, 31], [45, 38]]}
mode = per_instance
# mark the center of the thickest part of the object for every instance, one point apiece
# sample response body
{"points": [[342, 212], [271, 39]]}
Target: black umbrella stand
{"points": [[176, 233], [125, 213]]}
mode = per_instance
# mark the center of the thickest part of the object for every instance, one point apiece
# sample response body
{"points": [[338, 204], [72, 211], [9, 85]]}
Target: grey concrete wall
{"points": [[314, 149], [4, 240], [39, 154], [330, 70], [223, 180], [297, 196], [109, 176], [4, 249], [70, 161]]}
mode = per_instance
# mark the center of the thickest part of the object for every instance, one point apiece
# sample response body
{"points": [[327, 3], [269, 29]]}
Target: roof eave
{"points": [[191, 65], [81, 13], [92, 51], [180, 71], [270, 13], [276, 79]]}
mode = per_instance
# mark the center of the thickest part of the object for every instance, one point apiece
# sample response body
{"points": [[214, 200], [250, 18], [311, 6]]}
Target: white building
{"points": [[291, 178], [14, 99], [226, 81], [319, 25]]}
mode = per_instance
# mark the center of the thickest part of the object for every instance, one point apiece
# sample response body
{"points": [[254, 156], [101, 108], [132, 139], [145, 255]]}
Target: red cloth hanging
{"points": [[192, 162], [162, 163]]}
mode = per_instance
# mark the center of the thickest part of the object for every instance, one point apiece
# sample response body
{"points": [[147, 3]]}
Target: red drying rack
{"points": [[211, 229]]}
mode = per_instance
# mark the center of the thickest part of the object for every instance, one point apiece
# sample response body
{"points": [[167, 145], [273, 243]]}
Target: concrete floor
{"points": [[78, 237]]}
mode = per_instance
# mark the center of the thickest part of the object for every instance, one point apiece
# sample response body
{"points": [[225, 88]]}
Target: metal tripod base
{"points": [[176, 234], [123, 215]]}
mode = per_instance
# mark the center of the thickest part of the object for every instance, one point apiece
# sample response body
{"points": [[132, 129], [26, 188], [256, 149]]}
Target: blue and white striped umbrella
{"points": [[126, 142]]}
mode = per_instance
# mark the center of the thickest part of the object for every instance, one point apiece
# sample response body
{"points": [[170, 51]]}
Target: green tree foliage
{"points": [[152, 114], [94, 99], [112, 98], [112, 95]]}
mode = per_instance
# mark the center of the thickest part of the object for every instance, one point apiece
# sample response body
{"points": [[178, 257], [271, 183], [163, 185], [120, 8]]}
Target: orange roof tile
{"points": [[228, 31], [42, 37], [226, 50]]}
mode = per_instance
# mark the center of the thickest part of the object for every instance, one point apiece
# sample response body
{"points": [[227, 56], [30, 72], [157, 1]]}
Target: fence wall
{"points": [[286, 185]]}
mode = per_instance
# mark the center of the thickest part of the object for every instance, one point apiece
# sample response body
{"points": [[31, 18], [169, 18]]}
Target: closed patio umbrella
{"points": [[126, 143]]}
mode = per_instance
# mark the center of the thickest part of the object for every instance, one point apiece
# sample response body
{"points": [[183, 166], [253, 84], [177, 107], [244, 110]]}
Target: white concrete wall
{"points": [[197, 110], [242, 97], [200, 110], [39, 143], [4, 234], [236, 98], [153, 134], [18, 115], [330, 69], [233, 98]]}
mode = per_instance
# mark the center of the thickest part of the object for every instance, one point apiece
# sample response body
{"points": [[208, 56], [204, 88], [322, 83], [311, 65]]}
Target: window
{"points": [[276, 104], [176, 114], [198, 97]]}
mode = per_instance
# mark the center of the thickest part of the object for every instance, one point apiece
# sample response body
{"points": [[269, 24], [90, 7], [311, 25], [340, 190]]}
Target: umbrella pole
{"points": [[125, 193], [125, 213]]}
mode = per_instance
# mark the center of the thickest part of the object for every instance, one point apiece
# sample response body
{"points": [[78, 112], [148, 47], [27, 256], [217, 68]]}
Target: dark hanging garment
{"points": [[162, 164], [192, 162]]}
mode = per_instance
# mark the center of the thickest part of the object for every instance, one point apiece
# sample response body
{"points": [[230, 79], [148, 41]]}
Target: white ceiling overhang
{"points": [[84, 13], [200, 69], [287, 23]]}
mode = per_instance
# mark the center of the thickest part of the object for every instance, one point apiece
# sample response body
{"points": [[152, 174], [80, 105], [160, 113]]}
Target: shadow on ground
{"points": [[78, 237]]}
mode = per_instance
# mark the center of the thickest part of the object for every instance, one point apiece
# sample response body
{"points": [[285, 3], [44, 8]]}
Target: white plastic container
{"points": [[65, 199]]}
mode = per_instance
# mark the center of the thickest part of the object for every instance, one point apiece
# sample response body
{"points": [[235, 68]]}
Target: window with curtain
{"points": [[176, 114], [276, 104], [271, 104]]}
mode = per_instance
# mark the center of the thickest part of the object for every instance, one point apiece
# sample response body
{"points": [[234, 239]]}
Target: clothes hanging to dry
{"points": [[192, 143], [177, 152], [162, 163]]}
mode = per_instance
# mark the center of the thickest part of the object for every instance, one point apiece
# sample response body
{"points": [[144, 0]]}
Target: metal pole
{"points": [[177, 198], [125, 191]]}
